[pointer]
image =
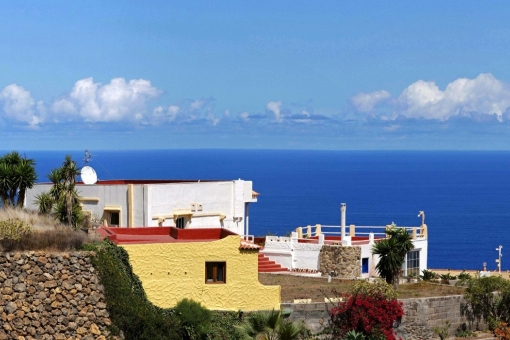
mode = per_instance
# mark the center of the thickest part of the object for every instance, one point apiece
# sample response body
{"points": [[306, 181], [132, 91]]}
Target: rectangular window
{"points": [[413, 263], [112, 216], [215, 272], [364, 265]]}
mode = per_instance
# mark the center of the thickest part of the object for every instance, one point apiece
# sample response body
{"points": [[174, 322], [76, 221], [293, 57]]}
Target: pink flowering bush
{"points": [[372, 315]]}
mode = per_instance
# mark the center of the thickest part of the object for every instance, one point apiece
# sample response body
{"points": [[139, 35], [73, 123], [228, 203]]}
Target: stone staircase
{"points": [[268, 266]]}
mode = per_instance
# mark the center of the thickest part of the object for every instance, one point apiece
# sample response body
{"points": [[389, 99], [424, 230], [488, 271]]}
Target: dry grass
{"points": [[298, 287], [47, 233], [34, 219]]}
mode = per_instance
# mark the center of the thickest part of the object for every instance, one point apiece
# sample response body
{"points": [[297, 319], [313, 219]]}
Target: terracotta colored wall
{"points": [[171, 272]]}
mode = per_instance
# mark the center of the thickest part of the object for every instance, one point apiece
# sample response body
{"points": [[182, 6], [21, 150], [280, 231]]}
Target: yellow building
{"points": [[212, 266]]}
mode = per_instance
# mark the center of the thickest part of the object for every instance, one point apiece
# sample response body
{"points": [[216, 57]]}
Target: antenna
{"points": [[88, 156], [88, 174]]}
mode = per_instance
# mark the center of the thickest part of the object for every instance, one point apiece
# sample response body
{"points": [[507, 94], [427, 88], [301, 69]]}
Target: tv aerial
{"points": [[88, 174]]}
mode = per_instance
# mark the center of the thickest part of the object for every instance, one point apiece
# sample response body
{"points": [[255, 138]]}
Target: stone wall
{"points": [[420, 316], [343, 261], [51, 296], [314, 315]]}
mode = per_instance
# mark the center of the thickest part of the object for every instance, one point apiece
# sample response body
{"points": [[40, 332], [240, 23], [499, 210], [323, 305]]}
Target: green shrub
{"points": [[464, 276], [378, 287], [195, 320], [464, 332], [14, 229], [488, 298], [445, 278], [130, 310], [223, 325], [442, 332], [11, 233], [428, 275]]}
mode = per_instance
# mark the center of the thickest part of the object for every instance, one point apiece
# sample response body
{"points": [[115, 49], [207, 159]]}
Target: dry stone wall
{"points": [[51, 296], [420, 316], [342, 261], [423, 314]]}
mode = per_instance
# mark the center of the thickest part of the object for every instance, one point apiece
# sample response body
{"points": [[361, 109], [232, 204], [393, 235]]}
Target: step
{"points": [[265, 265]]}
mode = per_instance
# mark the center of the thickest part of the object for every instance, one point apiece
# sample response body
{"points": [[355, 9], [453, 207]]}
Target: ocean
{"points": [[465, 195]]}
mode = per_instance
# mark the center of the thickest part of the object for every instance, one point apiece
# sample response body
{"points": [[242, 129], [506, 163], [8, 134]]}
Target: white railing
{"points": [[368, 233]]}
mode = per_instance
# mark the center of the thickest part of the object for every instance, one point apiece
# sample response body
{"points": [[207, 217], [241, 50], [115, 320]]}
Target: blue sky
{"points": [[266, 74]]}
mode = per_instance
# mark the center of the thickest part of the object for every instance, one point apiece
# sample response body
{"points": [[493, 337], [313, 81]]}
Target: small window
{"points": [[114, 219], [112, 216], [215, 272], [180, 223], [364, 265]]}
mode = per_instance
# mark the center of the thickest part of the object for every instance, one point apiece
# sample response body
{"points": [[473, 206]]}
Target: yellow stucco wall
{"points": [[171, 272]]}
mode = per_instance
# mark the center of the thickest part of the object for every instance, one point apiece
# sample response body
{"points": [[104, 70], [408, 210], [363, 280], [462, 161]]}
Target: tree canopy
{"points": [[62, 199], [17, 174], [392, 251]]}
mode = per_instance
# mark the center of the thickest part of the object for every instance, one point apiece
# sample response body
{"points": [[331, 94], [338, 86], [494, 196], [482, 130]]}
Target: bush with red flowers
{"points": [[370, 314]]}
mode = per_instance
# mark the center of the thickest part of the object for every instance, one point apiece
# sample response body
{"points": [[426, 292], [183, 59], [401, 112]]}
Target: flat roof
{"points": [[145, 181], [149, 235]]}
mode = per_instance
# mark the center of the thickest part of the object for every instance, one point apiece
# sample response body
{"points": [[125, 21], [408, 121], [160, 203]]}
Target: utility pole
{"points": [[498, 260]]}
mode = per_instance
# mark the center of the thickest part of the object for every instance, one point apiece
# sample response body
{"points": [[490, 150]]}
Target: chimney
{"points": [[346, 240]]}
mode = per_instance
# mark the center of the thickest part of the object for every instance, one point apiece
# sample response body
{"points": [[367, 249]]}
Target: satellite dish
{"points": [[88, 175]]}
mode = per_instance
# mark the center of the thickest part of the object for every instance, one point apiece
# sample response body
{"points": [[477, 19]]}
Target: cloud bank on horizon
{"points": [[129, 101], [483, 95]]}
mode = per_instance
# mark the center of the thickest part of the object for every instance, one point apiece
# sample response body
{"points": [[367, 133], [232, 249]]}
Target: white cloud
{"points": [[274, 107], [484, 95], [365, 102], [116, 101], [187, 111], [391, 128], [245, 116], [18, 105]]}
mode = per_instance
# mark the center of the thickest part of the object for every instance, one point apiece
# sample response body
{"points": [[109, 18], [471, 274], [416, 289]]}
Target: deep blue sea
{"points": [[465, 195]]}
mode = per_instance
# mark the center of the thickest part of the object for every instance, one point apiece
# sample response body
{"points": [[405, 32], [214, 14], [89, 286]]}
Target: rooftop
{"points": [[149, 235]]}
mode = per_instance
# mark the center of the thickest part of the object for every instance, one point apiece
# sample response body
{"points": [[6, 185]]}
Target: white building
{"points": [[301, 251], [182, 204]]}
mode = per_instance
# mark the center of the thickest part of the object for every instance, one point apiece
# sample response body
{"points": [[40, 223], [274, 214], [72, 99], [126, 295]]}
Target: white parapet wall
{"points": [[290, 253]]}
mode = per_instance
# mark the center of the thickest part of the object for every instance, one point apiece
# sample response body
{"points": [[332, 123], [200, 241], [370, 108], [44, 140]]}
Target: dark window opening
{"points": [[114, 219], [215, 272], [180, 223]]}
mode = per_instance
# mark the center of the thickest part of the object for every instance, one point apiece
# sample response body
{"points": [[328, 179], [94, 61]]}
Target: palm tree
{"points": [[17, 174], [68, 173], [24, 178], [392, 251], [270, 326], [63, 194], [5, 182]]}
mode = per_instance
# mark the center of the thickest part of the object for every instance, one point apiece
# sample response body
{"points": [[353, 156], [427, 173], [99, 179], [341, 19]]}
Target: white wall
{"points": [[151, 201], [366, 252], [289, 253], [216, 198]]}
